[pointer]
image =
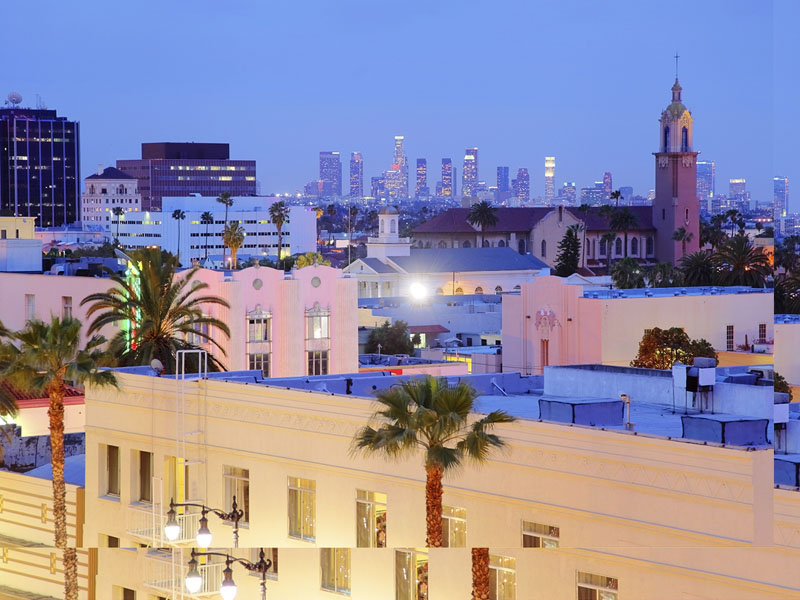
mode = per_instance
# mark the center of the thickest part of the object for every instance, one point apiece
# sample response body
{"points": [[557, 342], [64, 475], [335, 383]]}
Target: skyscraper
{"points": [[737, 189], [549, 179], [421, 191], [502, 182], [39, 165], [356, 175], [780, 192], [378, 187], [569, 192], [706, 179], [330, 173], [523, 185], [608, 185], [447, 177], [400, 163], [470, 173]]}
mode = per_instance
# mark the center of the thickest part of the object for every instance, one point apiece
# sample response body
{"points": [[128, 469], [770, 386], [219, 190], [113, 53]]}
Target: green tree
{"points": [[41, 358], [179, 216], [607, 241], [623, 220], [429, 415], [482, 215], [279, 215], [615, 195], [392, 338], [569, 252], [627, 274], [159, 311], [684, 237], [698, 268], [310, 259], [661, 348], [118, 212], [233, 238], [782, 386], [663, 275], [711, 233], [206, 219], [225, 199], [787, 294], [739, 262]]}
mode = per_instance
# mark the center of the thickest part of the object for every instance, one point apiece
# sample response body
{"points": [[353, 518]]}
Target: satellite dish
{"points": [[15, 98], [157, 366]]}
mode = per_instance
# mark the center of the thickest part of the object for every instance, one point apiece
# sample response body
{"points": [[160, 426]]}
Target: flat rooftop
{"points": [[674, 291], [787, 319]]}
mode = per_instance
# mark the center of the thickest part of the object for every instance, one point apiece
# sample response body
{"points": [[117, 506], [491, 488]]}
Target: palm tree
{"points": [[279, 215], [684, 237], [623, 220], [615, 195], [664, 274], [179, 216], [331, 211], [233, 238], [428, 414], [787, 294], [627, 274], [206, 219], [480, 574], [8, 403], [698, 268], [41, 358], [607, 240], [739, 262], [712, 233], [225, 198], [158, 311], [118, 212], [482, 214], [351, 214]]}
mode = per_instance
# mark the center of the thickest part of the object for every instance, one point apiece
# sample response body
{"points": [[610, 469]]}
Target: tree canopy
{"points": [[661, 348], [393, 339]]}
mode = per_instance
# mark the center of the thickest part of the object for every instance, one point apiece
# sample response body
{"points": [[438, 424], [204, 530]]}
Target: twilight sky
{"points": [[281, 80]]}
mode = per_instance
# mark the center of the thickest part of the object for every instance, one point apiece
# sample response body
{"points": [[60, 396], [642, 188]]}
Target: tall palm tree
{"points": [[664, 274], [158, 310], [118, 212], [623, 220], [206, 219], [482, 214], [42, 358], [698, 268], [179, 216], [615, 195], [226, 199], [739, 262], [279, 215], [480, 574], [233, 238], [351, 214], [684, 237], [607, 240], [787, 294], [429, 415], [627, 274], [331, 212], [8, 403]]}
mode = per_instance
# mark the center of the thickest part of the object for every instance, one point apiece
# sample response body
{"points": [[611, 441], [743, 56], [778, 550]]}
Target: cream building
{"points": [[20, 251], [104, 191]]}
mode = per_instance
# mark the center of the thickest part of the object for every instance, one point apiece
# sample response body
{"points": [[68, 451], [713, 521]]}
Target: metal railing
{"points": [[147, 524], [166, 570]]}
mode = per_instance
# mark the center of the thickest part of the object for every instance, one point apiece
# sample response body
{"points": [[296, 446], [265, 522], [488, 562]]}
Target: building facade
{"points": [[470, 173], [780, 195], [105, 191], [20, 249], [422, 190], [523, 185], [330, 174], [356, 175], [549, 179], [447, 177]]}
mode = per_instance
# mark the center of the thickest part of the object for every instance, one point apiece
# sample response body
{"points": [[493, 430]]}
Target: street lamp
{"points": [[172, 528], [228, 589]]}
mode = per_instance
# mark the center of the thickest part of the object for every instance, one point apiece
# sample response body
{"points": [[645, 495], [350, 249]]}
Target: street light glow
{"points": [[418, 291]]}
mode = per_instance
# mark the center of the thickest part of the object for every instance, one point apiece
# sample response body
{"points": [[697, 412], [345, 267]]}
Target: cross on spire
{"points": [[676, 65]]}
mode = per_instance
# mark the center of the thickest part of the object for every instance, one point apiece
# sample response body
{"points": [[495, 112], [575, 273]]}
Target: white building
{"points": [[193, 239], [20, 251], [106, 190]]}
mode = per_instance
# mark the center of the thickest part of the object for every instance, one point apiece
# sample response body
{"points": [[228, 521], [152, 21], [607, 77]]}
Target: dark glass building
{"points": [[447, 177], [330, 174], [39, 166], [421, 190], [181, 169]]}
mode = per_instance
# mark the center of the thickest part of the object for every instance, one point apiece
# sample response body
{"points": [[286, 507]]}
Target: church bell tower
{"points": [[676, 204]]}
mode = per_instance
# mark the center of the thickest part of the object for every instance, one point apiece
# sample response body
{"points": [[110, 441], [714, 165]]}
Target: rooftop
{"points": [[787, 319], [673, 291], [110, 173], [447, 260]]}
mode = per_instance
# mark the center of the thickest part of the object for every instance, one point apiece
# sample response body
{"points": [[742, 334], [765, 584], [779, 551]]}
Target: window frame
{"points": [[336, 566], [372, 504], [540, 532], [448, 521], [230, 482], [301, 501]]}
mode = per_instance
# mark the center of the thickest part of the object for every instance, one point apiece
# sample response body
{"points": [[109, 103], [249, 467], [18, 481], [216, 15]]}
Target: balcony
{"points": [[146, 522], [166, 570]]}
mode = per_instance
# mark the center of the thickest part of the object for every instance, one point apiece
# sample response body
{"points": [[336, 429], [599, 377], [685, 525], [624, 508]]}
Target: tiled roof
{"points": [[595, 222], [509, 220], [111, 173], [445, 260], [20, 396], [377, 265]]}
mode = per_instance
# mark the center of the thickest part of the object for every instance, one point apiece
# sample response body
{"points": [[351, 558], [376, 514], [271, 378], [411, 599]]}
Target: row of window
{"points": [[203, 234]]}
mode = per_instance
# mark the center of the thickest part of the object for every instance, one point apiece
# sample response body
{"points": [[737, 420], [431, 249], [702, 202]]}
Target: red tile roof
{"points": [[509, 220], [29, 400], [427, 329]]}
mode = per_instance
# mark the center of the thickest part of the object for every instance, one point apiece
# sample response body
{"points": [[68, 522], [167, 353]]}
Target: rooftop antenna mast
{"points": [[676, 65]]}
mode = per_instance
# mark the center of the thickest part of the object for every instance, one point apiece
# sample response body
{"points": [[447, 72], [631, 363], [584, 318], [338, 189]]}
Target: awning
{"points": [[427, 329]]}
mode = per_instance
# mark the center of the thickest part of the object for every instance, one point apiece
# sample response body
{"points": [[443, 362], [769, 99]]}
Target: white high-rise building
{"points": [[549, 179], [105, 191]]}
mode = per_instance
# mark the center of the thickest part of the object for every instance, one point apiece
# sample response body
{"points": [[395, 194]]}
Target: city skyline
{"points": [[538, 120]]}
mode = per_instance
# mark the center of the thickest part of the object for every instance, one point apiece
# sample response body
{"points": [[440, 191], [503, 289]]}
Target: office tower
{"points": [[780, 196], [470, 173], [737, 188], [330, 173], [447, 177], [313, 189], [608, 185], [502, 179], [626, 195], [569, 192], [523, 185], [400, 164], [675, 204], [455, 181], [706, 179], [595, 195], [378, 187], [422, 190], [356, 175], [549, 179], [182, 169], [39, 165]]}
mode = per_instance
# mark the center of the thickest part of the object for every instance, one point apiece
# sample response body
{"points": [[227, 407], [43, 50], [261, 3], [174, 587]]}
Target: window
{"points": [[687, 216], [537, 535], [502, 577], [317, 362], [30, 307], [370, 519], [684, 140], [454, 527], [545, 352], [66, 307], [498, 289], [479, 290], [729, 338], [649, 245], [392, 226], [259, 327], [618, 246], [635, 246], [176, 472], [663, 214], [501, 244], [596, 587], [3, 234], [122, 593], [602, 247], [237, 484], [762, 333], [439, 291], [459, 291], [259, 362], [145, 476], [110, 541], [112, 471], [544, 249], [666, 139], [335, 565], [270, 554], [411, 575], [317, 324], [302, 508]]}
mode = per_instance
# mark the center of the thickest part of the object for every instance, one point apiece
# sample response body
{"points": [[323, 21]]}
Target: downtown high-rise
{"points": [[397, 175], [549, 179], [469, 175], [780, 194], [330, 174], [39, 166], [447, 177], [421, 190], [523, 185], [356, 175], [502, 180], [706, 179], [608, 185]]}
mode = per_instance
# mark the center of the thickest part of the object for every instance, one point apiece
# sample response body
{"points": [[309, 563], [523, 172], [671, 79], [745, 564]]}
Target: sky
{"points": [[583, 81]]}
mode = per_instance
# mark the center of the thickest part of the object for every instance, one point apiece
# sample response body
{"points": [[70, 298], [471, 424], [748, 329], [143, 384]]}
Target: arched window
{"points": [[485, 243], [498, 289], [442, 244], [618, 246], [427, 244], [466, 244], [381, 225], [666, 139], [544, 249], [501, 244], [439, 291], [684, 140], [521, 246], [392, 226], [649, 245], [602, 247], [687, 215], [479, 290], [459, 291], [516, 287], [635, 246]]}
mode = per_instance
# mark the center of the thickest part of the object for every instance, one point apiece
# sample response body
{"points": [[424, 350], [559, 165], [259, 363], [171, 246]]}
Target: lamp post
{"points": [[172, 528], [228, 589]]}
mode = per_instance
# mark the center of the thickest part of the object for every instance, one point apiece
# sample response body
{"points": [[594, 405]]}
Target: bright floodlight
{"points": [[193, 579], [418, 291], [172, 529], [228, 588], [204, 534]]}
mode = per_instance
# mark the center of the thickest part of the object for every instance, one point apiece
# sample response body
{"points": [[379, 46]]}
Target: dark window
{"points": [[635, 246], [618, 246]]}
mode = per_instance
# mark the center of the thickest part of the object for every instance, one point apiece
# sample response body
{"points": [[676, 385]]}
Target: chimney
{"points": [[99, 169]]}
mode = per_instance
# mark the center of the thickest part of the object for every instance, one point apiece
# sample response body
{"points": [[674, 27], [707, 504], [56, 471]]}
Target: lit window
{"points": [[335, 566], [502, 577], [317, 324], [454, 527], [302, 508], [411, 575], [370, 519], [237, 483], [536, 535], [596, 587]]}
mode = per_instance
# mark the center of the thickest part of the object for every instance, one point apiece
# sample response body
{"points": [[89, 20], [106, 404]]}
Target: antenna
{"points": [[676, 65], [39, 104], [14, 98]]}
